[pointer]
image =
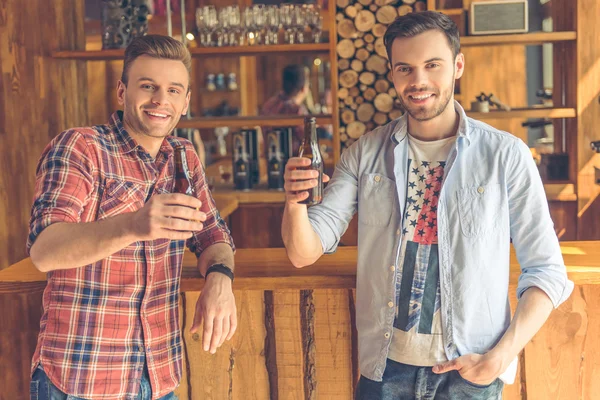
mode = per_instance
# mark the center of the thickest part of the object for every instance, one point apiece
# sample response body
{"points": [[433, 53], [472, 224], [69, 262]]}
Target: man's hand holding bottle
{"points": [[299, 180]]}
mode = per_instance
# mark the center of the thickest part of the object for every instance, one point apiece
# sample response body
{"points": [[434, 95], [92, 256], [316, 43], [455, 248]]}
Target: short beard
{"points": [[436, 112], [130, 117]]}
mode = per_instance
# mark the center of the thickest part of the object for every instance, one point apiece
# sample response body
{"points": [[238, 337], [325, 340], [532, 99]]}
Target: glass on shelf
{"points": [[259, 24], [225, 173]]}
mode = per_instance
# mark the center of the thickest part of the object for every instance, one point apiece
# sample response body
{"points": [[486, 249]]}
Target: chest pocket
{"points": [[377, 195], [119, 197], [479, 208]]}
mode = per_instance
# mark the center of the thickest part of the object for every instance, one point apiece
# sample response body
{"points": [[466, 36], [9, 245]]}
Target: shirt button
{"points": [[398, 232], [141, 349], [480, 190], [387, 335], [390, 304], [392, 268], [377, 178]]}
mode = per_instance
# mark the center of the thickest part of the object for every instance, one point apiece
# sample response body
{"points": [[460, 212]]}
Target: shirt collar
{"points": [[126, 143], [401, 131]]}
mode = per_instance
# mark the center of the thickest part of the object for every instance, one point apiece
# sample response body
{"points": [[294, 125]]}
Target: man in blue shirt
{"points": [[439, 197]]}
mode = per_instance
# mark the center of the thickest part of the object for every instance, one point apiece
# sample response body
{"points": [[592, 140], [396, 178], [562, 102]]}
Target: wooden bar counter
{"points": [[296, 336]]}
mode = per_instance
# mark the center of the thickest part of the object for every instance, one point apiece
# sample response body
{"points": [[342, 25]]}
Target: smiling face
{"points": [[424, 70], [155, 97]]}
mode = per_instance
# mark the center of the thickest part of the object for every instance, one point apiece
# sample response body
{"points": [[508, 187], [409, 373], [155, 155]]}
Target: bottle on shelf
{"points": [[241, 169], [210, 83], [232, 82], [220, 82], [275, 168]]}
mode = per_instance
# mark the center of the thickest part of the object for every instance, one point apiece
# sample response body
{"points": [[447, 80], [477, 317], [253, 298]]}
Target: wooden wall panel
{"points": [[588, 110], [554, 359], [99, 92], [333, 343], [289, 341], [257, 225], [288, 345], [39, 97], [499, 70], [564, 216], [590, 362], [19, 326], [237, 370]]}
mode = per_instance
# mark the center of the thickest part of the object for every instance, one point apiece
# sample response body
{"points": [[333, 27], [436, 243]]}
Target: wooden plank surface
{"points": [[288, 345], [333, 343], [249, 121], [555, 359], [263, 269], [225, 204], [225, 51], [532, 38], [524, 113], [237, 370], [587, 84]]}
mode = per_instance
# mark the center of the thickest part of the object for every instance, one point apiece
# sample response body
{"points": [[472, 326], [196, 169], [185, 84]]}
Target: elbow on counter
{"points": [[298, 262], [38, 260]]}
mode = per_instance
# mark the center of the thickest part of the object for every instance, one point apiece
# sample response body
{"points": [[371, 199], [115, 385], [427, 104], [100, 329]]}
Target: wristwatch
{"points": [[220, 268]]}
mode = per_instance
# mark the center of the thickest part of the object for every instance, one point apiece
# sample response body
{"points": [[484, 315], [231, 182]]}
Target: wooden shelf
{"points": [[451, 11], [232, 51], [240, 122], [518, 38], [525, 113]]}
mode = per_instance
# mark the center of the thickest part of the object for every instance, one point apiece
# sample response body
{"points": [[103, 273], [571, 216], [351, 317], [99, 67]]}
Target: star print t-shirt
{"points": [[417, 337]]}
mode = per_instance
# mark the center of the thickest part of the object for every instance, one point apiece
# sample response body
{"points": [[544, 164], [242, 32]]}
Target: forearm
{"points": [[302, 243], [71, 245], [533, 310], [218, 253]]}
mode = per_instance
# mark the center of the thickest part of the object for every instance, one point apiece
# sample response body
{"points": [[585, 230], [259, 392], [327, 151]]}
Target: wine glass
{"points": [[206, 22], [225, 172], [272, 23], [314, 20]]}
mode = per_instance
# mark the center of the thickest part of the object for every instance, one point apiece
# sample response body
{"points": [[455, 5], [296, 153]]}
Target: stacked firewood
{"points": [[367, 98]]}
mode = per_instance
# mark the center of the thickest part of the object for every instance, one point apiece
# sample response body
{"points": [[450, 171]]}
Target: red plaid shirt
{"points": [[102, 322]]}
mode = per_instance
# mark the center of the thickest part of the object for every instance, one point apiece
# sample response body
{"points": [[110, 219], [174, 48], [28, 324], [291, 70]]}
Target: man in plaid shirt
{"points": [[109, 231]]}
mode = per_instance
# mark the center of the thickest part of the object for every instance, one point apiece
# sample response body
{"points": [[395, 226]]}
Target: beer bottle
{"points": [[183, 181], [241, 170], [310, 149], [275, 169]]}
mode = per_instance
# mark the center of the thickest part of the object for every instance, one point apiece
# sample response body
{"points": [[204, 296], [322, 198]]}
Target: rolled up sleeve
{"points": [[330, 219], [532, 230], [64, 181], [215, 229]]}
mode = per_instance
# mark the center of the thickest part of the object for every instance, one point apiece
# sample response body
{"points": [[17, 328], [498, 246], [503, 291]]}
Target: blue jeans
{"points": [[404, 382], [41, 388]]}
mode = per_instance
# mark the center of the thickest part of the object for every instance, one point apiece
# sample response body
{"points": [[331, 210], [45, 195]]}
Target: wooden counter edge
{"points": [[261, 269], [225, 204]]}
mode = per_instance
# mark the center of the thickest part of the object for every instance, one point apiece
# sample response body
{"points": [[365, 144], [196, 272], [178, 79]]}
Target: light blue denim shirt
{"points": [[491, 193]]}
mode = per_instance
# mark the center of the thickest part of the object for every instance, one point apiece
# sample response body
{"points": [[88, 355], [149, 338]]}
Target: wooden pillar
{"points": [[39, 98], [588, 117]]}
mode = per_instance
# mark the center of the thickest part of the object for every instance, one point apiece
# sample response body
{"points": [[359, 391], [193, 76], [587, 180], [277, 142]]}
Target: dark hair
{"points": [[157, 46], [412, 24], [294, 78]]}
